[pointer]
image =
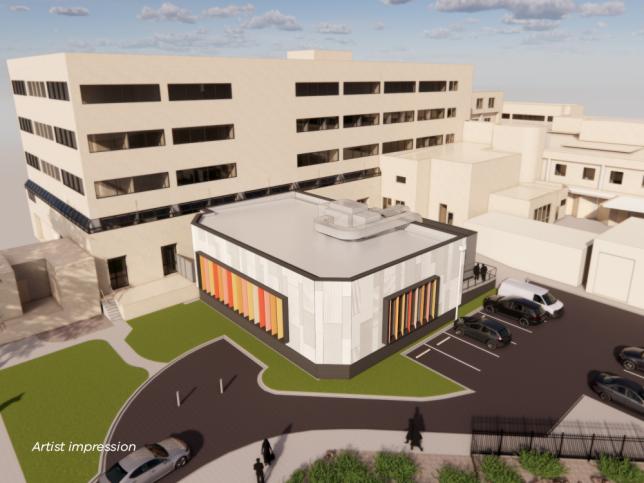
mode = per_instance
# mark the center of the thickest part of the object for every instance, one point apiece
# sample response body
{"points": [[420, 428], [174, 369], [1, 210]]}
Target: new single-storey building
{"points": [[334, 286]]}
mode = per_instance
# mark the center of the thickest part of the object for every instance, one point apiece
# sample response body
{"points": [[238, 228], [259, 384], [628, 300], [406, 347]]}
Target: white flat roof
{"points": [[560, 144], [282, 227], [625, 203], [610, 147], [529, 191], [468, 153], [630, 232], [548, 232]]}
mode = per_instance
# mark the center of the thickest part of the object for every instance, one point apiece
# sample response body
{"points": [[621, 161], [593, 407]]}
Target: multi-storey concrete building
{"points": [[542, 112], [487, 106], [122, 150]]}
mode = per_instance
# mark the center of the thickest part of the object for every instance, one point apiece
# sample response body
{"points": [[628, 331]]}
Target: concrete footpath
{"points": [[295, 449], [9, 465]]}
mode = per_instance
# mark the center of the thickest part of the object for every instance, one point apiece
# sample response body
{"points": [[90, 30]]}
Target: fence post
{"points": [[560, 445], [621, 449], [498, 451], [592, 443], [531, 439]]}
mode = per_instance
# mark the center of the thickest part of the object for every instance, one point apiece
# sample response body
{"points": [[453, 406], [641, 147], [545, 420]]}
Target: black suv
{"points": [[632, 358], [492, 333], [525, 311]]}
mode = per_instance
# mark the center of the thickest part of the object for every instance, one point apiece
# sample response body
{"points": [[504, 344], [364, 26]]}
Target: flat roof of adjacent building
{"points": [[538, 230], [468, 153], [529, 191], [569, 144], [58, 253], [281, 228], [633, 204], [630, 232]]}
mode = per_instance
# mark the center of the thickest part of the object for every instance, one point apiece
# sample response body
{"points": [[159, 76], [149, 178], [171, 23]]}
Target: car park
{"points": [[149, 463], [526, 312], [511, 287], [632, 358], [490, 332], [620, 390]]}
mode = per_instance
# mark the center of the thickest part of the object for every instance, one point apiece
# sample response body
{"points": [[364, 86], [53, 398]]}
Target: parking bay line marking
{"points": [[509, 323], [633, 374], [513, 343], [457, 360], [422, 354], [477, 347], [444, 340]]}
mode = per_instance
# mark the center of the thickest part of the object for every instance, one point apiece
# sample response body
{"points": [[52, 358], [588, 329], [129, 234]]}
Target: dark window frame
{"points": [[361, 88], [169, 259], [119, 93], [315, 89], [200, 91], [201, 134], [400, 87], [119, 276], [204, 174]]}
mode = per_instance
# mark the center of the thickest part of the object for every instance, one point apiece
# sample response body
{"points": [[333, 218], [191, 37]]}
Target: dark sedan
{"points": [[632, 358], [623, 391], [492, 333], [525, 311]]}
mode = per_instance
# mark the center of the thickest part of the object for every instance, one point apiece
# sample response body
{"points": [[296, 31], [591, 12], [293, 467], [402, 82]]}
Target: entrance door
{"points": [[442, 213]]}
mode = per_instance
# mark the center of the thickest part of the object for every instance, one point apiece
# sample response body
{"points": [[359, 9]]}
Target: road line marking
{"points": [[513, 343], [444, 340], [422, 353], [509, 323], [477, 347], [633, 374], [457, 360]]}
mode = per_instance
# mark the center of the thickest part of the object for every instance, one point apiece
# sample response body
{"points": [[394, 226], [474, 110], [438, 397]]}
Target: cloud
{"points": [[525, 9], [229, 11], [273, 18], [379, 26], [395, 2], [540, 38], [69, 11], [531, 24], [19, 8], [501, 30], [333, 28], [452, 31], [602, 25], [604, 9], [167, 11]]}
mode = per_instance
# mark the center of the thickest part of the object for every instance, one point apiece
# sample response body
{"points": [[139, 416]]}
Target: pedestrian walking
{"points": [[483, 271], [410, 430], [267, 452], [259, 471], [415, 439], [477, 272]]}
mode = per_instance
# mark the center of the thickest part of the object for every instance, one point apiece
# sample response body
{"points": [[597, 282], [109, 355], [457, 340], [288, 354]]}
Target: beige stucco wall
{"points": [[10, 305]]}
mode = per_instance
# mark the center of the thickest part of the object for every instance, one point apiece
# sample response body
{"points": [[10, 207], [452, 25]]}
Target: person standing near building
{"points": [[267, 452], [477, 272], [259, 471], [483, 271]]}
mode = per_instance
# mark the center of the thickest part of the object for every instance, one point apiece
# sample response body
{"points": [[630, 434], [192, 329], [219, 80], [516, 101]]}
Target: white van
{"points": [[535, 293]]}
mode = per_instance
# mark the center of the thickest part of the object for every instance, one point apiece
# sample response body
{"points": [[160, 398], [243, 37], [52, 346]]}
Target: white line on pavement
{"points": [[457, 360], [422, 354], [444, 340], [509, 323], [633, 374], [513, 343], [477, 347]]}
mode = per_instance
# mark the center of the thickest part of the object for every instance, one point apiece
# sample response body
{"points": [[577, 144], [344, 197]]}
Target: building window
{"points": [[363, 200], [490, 103], [429, 141], [206, 173], [50, 170], [198, 92], [58, 91], [65, 137], [31, 196], [450, 218], [542, 213], [353, 88], [317, 124], [395, 146], [360, 120], [550, 118], [19, 87], [400, 203], [479, 103], [360, 151], [400, 87], [487, 119], [118, 272], [263, 307], [560, 169], [25, 124], [432, 86], [169, 259], [431, 114], [589, 174], [199, 134], [318, 157], [450, 138], [451, 112], [453, 85], [116, 141], [563, 202], [410, 309], [401, 179], [528, 117], [398, 116], [135, 184], [304, 89], [44, 130], [72, 181], [616, 177], [114, 93], [32, 160], [36, 89], [505, 116], [386, 202]]}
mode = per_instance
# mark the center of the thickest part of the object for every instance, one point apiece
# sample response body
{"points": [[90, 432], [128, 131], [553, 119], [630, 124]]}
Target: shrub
{"points": [[397, 467], [542, 465], [298, 476], [495, 470], [620, 470], [345, 467], [451, 474]]}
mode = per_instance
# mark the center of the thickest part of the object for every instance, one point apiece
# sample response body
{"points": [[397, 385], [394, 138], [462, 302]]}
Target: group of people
{"points": [[480, 271], [269, 456]]}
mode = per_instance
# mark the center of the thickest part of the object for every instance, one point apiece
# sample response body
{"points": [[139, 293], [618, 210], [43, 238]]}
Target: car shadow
{"points": [[193, 438]]}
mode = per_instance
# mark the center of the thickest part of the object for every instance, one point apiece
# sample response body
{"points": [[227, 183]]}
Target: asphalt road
{"points": [[541, 377]]}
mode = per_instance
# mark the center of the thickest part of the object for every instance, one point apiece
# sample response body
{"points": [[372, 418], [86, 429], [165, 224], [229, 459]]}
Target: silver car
{"points": [[149, 463]]}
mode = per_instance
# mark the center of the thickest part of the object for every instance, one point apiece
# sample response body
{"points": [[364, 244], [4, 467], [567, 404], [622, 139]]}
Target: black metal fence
{"points": [[510, 437], [470, 281]]}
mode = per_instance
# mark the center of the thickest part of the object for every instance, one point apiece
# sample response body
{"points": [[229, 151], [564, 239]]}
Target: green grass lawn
{"points": [[70, 395], [164, 335]]}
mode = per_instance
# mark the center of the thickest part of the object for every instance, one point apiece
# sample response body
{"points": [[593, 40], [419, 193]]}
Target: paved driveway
{"points": [[540, 377]]}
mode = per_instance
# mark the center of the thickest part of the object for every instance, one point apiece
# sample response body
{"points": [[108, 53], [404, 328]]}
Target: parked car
{"points": [[632, 358], [511, 287], [623, 391], [526, 312], [149, 463], [492, 333]]}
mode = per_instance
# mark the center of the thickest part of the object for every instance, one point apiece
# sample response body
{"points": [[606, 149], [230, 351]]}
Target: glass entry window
{"points": [[256, 303], [410, 309], [118, 272]]}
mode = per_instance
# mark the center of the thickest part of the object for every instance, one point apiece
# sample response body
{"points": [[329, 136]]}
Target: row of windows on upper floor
{"points": [[53, 133], [372, 119], [490, 102], [52, 89], [526, 117], [306, 89], [615, 177], [68, 179]]}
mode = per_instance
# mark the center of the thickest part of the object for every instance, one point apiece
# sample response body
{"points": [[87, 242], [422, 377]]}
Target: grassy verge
{"points": [[67, 396]]}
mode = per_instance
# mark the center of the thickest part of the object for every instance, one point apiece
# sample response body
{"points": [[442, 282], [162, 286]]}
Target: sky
{"points": [[576, 51]]}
